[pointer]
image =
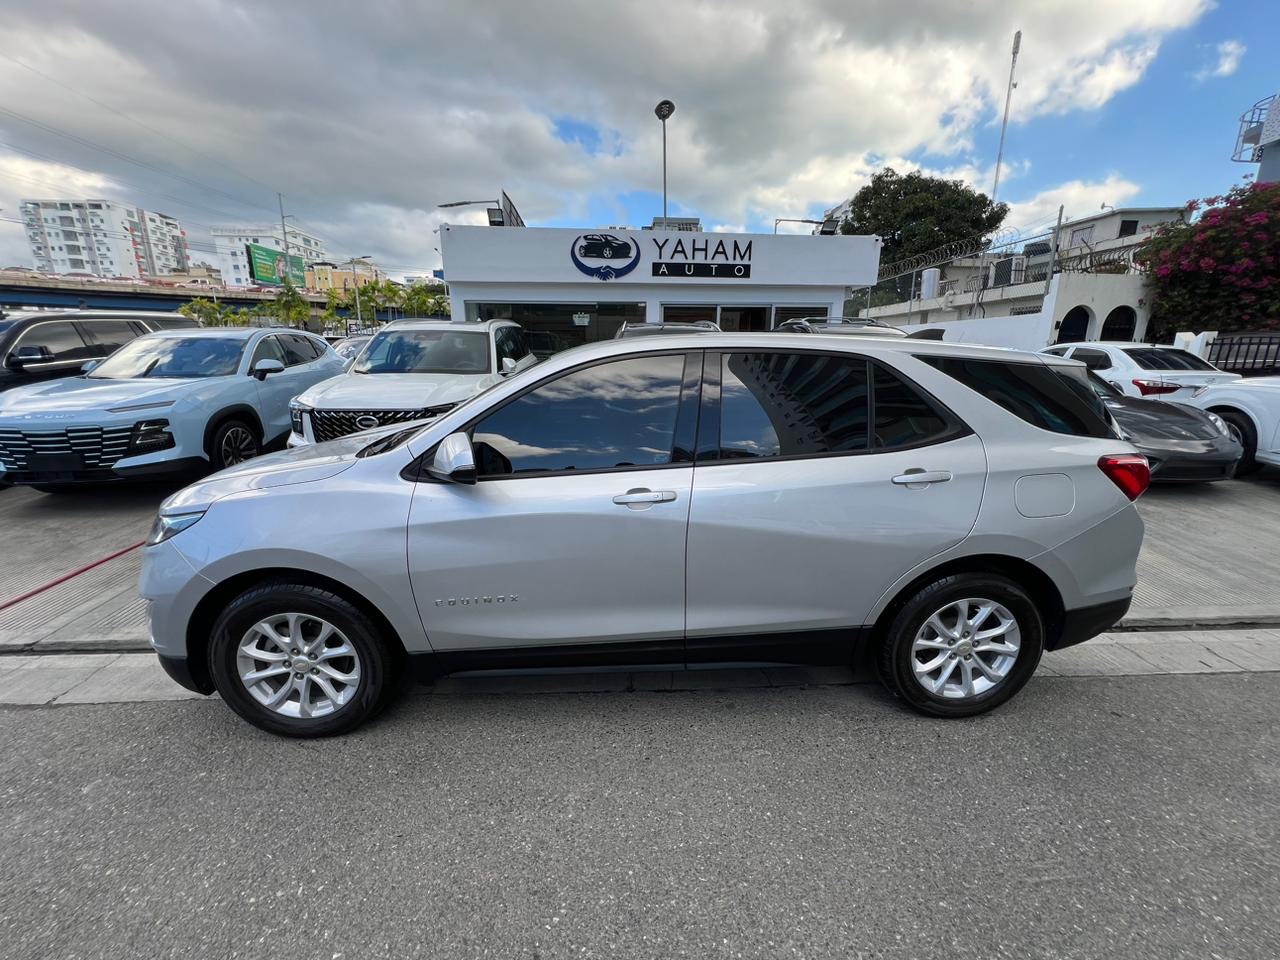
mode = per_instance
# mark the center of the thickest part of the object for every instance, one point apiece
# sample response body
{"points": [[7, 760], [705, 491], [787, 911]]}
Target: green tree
{"points": [[1220, 272], [205, 312], [290, 308], [424, 300], [915, 213]]}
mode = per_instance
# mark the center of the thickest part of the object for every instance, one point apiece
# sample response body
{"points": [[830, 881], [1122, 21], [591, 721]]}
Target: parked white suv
{"points": [[411, 370], [1144, 369], [949, 511]]}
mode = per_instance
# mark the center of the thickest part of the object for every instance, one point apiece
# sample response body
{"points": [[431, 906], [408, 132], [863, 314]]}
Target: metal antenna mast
{"points": [[1008, 96]]}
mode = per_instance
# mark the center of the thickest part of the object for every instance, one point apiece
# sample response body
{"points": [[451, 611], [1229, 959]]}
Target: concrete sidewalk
{"points": [[35, 680]]}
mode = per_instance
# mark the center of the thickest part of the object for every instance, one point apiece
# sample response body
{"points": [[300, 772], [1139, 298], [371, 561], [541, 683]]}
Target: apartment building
{"points": [[229, 244], [103, 238]]}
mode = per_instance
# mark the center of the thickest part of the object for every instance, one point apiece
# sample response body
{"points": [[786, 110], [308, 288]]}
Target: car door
{"points": [[803, 508], [276, 390], [66, 349], [574, 532]]}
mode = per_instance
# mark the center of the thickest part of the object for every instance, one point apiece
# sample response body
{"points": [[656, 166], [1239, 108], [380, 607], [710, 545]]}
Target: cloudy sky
{"points": [[366, 116]]}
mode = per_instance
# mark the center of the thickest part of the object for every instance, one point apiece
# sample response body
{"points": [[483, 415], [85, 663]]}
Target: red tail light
{"points": [[1128, 472], [1150, 388]]}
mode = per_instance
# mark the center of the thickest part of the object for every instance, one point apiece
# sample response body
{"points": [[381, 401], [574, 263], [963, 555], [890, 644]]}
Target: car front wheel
{"points": [[1243, 433], [300, 661], [962, 645], [233, 442]]}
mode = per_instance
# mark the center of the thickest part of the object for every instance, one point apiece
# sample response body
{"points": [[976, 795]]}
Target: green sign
{"points": [[267, 266]]}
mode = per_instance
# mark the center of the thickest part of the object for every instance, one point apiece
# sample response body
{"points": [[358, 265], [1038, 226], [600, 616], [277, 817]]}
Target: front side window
{"points": [[426, 351], [184, 357], [61, 339], [268, 348], [608, 416]]}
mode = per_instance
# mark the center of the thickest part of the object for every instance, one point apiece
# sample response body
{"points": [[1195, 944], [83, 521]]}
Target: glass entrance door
{"points": [[744, 319]]}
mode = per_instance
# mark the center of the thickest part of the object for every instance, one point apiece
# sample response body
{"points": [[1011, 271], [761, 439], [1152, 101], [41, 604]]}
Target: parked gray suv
{"points": [[947, 511]]}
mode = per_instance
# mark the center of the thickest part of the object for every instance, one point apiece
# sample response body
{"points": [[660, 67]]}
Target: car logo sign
{"points": [[366, 422], [620, 255]]}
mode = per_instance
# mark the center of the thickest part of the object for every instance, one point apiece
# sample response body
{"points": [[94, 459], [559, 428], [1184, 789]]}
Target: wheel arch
{"points": [[1026, 574], [1232, 406], [237, 411], [200, 623]]}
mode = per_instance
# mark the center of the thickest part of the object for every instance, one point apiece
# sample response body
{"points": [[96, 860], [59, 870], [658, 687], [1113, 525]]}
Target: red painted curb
{"points": [[67, 576]]}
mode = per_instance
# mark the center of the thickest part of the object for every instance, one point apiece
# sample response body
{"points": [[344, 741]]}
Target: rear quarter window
{"points": [[1150, 358], [1051, 397]]}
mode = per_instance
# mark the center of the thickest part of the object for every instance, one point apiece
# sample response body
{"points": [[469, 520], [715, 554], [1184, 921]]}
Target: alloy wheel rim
{"points": [[298, 665], [966, 648], [237, 446]]}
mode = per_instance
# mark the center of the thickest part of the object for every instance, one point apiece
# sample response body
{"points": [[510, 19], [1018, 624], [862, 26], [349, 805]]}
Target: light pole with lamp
{"points": [[356, 283], [663, 112]]}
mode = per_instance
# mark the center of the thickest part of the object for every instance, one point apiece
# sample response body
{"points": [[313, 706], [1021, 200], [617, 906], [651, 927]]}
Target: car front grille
{"points": [[97, 446], [332, 424]]}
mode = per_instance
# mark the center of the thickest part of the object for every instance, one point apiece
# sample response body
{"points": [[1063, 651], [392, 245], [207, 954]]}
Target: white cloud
{"points": [[23, 177], [1079, 198], [781, 109], [1229, 54]]}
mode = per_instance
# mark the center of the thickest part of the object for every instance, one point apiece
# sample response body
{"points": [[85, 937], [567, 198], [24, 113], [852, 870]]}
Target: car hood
{"points": [[84, 393], [393, 391], [305, 464], [1161, 420]]}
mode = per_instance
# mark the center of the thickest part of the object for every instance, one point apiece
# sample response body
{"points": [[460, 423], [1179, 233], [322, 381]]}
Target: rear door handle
{"points": [[642, 497], [918, 476]]}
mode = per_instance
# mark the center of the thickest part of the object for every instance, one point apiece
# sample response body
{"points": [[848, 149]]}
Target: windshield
{"points": [[425, 351], [183, 357], [347, 349], [1152, 358]]}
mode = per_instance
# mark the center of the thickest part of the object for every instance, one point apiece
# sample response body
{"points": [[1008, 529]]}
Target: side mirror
{"points": [[88, 367], [264, 367], [25, 355], [455, 461], [508, 366]]}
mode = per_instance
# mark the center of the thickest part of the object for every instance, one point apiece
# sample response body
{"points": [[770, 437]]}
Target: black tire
{"points": [[235, 441], [378, 657], [1248, 439], [894, 656]]}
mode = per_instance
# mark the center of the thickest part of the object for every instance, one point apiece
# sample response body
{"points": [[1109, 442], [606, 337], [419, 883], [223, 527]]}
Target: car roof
{"points": [[1118, 344], [231, 333], [426, 323], [27, 315], [772, 340]]}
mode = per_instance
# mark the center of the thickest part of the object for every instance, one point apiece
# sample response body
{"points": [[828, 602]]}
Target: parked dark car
{"points": [[43, 345], [1181, 443], [543, 344], [604, 246]]}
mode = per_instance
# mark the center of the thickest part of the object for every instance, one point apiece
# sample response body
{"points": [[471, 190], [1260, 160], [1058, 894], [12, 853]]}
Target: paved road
{"points": [[1100, 818]]}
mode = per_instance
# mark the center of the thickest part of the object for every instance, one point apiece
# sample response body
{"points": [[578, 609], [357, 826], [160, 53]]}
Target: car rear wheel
{"points": [[233, 442], [1244, 434], [300, 661], [962, 645]]}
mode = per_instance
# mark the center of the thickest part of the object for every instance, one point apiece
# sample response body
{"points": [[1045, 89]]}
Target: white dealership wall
{"points": [[545, 265]]}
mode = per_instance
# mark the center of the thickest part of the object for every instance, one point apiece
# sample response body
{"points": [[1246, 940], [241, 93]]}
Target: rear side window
{"points": [[1055, 398], [806, 404], [1151, 359], [1093, 359]]}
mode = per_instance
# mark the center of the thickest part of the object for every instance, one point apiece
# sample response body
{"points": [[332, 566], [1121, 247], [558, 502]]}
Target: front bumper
{"points": [[179, 670]]}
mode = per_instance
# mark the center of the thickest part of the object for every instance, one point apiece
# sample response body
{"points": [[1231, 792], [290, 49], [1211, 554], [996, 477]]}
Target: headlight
{"points": [[166, 527], [1219, 423], [295, 415], [149, 435]]}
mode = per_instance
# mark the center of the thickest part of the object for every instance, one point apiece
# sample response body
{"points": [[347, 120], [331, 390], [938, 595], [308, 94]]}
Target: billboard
{"points": [[267, 266]]}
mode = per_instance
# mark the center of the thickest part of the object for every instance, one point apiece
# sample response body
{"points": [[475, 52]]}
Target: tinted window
{"points": [[615, 414], [159, 356], [60, 338], [792, 404], [1093, 359], [1056, 398], [903, 417], [425, 351], [268, 348], [505, 344], [110, 334], [1150, 358], [297, 349]]}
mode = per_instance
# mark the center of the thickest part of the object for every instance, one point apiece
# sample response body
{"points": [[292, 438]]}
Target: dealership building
{"points": [[581, 285]]}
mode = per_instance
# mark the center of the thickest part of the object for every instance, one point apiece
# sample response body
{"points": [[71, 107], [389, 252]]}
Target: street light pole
{"points": [[663, 112], [778, 220], [355, 283]]}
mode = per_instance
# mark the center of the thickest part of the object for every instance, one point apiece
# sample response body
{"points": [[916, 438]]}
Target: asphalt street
{"points": [[1116, 817]]}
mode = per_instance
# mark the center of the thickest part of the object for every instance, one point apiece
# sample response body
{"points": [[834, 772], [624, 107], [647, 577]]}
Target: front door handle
{"points": [[642, 497], [918, 476]]}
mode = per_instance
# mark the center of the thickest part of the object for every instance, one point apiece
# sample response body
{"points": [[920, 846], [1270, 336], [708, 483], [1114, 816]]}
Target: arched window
{"points": [[1120, 324], [1075, 325]]}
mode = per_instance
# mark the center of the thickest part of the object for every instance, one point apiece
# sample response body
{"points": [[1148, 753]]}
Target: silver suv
{"points": [[946, 512]]}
